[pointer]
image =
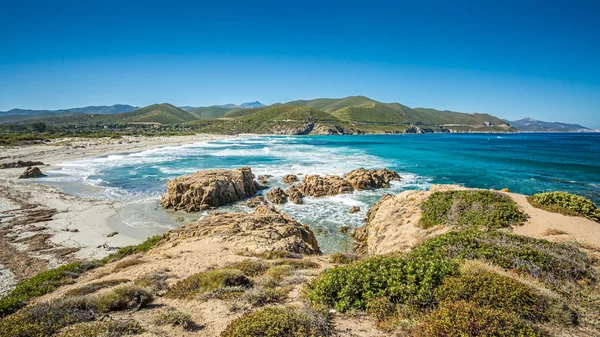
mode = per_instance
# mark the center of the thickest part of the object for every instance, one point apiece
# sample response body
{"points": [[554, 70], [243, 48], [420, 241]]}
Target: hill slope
{"points": [[209, 112], [159, 113], [286, 113], [530, 124]]}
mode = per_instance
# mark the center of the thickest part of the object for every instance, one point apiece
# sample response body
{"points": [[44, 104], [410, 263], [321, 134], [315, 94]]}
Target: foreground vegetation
{"points": [[566, 203]]}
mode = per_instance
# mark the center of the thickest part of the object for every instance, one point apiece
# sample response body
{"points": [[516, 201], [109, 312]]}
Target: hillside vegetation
{"points": [[159, 113]]}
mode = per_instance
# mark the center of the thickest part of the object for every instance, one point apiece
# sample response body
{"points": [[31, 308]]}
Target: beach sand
{"points": [[41, 227]]}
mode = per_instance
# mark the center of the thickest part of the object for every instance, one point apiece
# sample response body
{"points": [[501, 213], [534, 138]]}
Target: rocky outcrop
{"points": [[392, 223], [320, 129], [256, 201], [289, 178], [354, 209], [32, 172], [294, 195], [265, 229], [21, 163], [362, 179], [319, 186], [277, 196], [263, 179], [210, 188]]}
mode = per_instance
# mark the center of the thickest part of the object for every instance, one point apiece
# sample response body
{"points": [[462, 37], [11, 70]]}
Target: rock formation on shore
{"points": [[21, 163], [32, 172], [319, 186], [277, 196], [210, 188], [392, 223], [289, 178], [265, 229], [362, 179]]}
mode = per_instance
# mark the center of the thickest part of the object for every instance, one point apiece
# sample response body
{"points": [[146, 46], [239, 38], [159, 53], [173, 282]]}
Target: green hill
{"points": [[158, 113], [287, 113], [210, 112], [433, 116]]}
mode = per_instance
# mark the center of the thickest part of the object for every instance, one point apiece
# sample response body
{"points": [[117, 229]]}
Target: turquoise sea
{"points": [[524, 163]]}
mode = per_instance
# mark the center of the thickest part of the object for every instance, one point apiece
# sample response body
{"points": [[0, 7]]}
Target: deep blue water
{"points": [[524, 163]]}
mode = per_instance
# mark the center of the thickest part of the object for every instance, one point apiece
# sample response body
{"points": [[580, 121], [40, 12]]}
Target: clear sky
{"points": [[512, 58]]}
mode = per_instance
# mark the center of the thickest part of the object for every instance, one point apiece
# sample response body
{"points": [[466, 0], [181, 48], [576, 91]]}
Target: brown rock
{"points": [[32, 172], [362, 179], [318, 186], [110, 235], [354, 209], [265, 229], [256, 201], [277, 196], [294, 195], [210, 188], [289, 178], [263, 179]]}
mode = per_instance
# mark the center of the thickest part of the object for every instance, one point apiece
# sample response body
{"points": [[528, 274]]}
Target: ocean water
{"points": [[524, 163]]}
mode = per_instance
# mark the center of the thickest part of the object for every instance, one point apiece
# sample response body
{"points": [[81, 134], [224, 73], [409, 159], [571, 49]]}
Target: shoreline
{"points": [[42, 227]]}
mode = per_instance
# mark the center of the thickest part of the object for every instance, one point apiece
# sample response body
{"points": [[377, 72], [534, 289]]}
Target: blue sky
{"points": [[512, 58]]}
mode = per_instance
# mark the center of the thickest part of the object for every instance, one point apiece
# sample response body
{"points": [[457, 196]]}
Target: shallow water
{"points": [[524, 163]]}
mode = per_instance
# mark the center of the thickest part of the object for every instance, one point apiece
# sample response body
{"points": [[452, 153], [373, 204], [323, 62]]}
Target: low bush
{"points": [[400, 280], [272, 255], [277, 273], [103, 328], [296, 263], [173, 317], [473, 209], [278, 322], [154, 281], [207, 281], [94, 287], [467, 319], [127, 263], [490, 290], [565, 203], [258, 297], [122, 298], [553, 231], [339, 258], [41, 284], [558, 264], [250, 267]]}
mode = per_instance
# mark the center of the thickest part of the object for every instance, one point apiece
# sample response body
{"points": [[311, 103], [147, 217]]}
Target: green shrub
{"points": [[557, 264], [467, 319], [476, 209], [272, 254], [401, 280], [206, 281], [278, 322], [173, 317], [94, 287], [41, 284], [103, 329], [145, 246], [490, 290], [250, 267], [279, 272], [565, 203], [339, 258], [296, 263], [122, 298], [153, 281], [258, 297]]}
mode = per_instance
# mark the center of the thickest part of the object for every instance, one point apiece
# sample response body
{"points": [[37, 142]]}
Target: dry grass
{"points": [[554, 231]]}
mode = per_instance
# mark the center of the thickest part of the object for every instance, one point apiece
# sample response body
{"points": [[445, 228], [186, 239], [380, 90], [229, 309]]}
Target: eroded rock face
{"points": [[289, 178], [265, 229], [256, 201], [392, 223], [294, 195], [210, 188], [362, 179], [318, 186], [32, 172], [277, 196]]}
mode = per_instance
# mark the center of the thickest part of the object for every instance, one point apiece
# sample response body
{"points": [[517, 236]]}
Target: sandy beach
{"points": [[41, 227]]}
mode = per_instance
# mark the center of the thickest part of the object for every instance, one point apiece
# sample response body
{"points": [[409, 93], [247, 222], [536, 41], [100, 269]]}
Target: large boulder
{"points": [[210, 188], [289, 178], [277, 196], [294, 195], [319, 186], [32, 172], [362, 179], [265, 229], [392, 223]]}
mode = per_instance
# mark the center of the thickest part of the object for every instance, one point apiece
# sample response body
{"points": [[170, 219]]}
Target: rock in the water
{"points": [[318, 186], [354, 209], [263, 179], [277, 196], [21, 163], [210, 188], [265, 229], [294, 195], [256, 201], [32, 172], [362, 179], [289, 178]]}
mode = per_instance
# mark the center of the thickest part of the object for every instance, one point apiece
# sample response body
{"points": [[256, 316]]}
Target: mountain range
{"points": [[532, 125]]}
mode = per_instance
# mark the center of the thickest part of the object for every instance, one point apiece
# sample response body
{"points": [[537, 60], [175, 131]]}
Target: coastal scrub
{"points": [[565, 203]]}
